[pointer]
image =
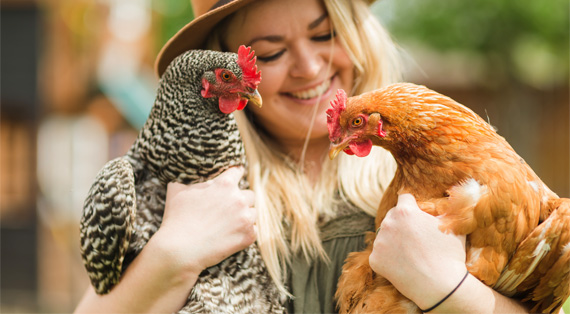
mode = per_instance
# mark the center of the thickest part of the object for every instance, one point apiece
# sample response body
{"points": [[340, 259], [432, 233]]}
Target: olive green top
{"points": [[314, 284]]}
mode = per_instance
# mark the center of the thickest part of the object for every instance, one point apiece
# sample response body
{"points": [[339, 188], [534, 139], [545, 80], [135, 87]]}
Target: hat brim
{"points": [[194, 34]]}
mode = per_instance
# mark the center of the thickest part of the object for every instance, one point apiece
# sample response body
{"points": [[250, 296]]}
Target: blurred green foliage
{"points": [[172, 15], [528, 39]]}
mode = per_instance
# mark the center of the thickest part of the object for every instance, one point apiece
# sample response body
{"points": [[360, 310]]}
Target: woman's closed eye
{"points": [[324, 37], [272, 57]]}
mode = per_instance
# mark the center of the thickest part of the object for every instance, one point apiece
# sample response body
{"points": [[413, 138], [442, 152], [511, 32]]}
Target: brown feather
{"points": [[540, 267], [460, 169]]}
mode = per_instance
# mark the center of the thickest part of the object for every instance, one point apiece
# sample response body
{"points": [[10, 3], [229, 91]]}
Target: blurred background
{"points": [[77, 83]]}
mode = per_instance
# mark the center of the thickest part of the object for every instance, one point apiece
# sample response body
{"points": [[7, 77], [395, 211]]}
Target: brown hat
{"points": [[193, 35]]}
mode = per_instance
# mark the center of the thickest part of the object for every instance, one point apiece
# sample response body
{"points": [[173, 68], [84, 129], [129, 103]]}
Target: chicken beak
{"points": [[335, 150], [253, 98]]}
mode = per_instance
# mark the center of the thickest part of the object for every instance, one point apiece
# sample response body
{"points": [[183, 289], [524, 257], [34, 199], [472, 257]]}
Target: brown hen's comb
{"points": [[333, 114], [246, 61]]}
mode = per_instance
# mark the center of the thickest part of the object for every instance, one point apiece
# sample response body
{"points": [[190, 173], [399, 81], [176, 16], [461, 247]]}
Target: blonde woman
{"points": [[307, 213]]}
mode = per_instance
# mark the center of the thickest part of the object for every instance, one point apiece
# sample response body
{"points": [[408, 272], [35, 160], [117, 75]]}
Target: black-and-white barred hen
{"points": [[189, 137]]}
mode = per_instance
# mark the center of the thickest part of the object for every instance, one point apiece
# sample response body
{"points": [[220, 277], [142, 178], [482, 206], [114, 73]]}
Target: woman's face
{"points": [[293, 42]]}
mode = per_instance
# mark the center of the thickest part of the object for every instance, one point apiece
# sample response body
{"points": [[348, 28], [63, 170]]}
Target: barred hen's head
{"points": [[225, 79], [234, 88], [400, 117]]}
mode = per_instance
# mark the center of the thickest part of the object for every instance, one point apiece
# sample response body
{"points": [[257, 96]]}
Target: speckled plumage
{"points": [[186, 139]]}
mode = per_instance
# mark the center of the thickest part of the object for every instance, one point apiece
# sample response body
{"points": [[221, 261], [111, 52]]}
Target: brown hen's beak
{"points": [[253, 98], [336, 149]]}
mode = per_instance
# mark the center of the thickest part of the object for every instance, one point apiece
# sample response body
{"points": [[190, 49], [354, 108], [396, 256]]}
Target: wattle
{"points": [[230, 104], [360, 149]]}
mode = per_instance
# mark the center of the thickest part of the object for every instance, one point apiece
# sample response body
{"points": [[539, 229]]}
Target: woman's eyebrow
{"points": [[318, 21], [270, 38]]}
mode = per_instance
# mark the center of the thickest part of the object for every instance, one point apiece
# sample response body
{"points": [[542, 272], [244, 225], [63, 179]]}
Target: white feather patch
{"points": [[566, 248], [470, 190], [474, 254], [533, 185]]}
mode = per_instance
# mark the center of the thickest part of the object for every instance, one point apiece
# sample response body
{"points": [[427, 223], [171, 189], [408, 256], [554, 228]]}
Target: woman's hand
{"points": [[410, 251], [425, 264], [205, 223]]}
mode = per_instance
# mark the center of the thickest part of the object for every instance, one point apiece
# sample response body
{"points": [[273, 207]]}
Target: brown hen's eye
{"points": [[357, 122]]}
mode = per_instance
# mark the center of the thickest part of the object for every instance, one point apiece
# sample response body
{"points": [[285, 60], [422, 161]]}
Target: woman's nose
{"points": [[307, 62]]}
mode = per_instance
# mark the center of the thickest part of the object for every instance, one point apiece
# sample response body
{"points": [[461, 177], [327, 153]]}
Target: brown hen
{"points": [[458, 168]]}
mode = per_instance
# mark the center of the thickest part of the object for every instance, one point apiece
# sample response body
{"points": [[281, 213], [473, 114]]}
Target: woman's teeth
{"points": [[313, 92]]}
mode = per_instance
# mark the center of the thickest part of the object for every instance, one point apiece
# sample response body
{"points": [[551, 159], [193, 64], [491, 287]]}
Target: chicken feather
{"points": [[460, 169]]}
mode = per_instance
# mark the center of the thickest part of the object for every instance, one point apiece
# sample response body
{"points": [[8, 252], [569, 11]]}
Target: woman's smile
{"points": [[312, 93]]}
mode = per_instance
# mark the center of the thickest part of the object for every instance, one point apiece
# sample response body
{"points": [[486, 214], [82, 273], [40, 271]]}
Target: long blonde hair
{"points": [[288, 203]]}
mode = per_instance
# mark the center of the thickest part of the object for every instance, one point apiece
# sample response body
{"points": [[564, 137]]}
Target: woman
{"points": [[310, 212]]}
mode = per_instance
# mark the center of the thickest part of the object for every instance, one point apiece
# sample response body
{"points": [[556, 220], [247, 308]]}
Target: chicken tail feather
{"points": [[539, 270]]}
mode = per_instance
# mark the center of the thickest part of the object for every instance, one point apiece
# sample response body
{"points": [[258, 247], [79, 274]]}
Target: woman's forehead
{"points": [[272, 17]]}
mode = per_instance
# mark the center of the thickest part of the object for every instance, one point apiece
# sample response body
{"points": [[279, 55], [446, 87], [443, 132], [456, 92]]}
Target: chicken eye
{"points": [[226, 76], [357, 122]]}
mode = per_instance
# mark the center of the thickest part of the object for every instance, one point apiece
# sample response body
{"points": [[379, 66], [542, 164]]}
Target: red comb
{"points": [[333, 114], [246, 61]]}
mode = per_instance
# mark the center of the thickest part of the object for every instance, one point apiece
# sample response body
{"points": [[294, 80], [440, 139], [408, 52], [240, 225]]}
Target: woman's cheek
{"points": [[345, 67], [271, 80]]}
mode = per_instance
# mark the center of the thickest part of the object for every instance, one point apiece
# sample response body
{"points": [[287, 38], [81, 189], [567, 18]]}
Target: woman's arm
{"points": [[151, 284], [202, 225], [435, 264]]}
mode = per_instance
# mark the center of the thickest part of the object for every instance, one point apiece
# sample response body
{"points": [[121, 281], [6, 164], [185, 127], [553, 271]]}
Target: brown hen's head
{"points": [[234, 89], [350, 129], [400, 117]]}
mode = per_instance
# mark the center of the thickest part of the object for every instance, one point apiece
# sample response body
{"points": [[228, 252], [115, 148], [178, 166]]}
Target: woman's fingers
{"points": [[209, 221]]}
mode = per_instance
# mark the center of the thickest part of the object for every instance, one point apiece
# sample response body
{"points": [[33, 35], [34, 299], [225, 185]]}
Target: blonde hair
{"points": [[288, 203]]}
